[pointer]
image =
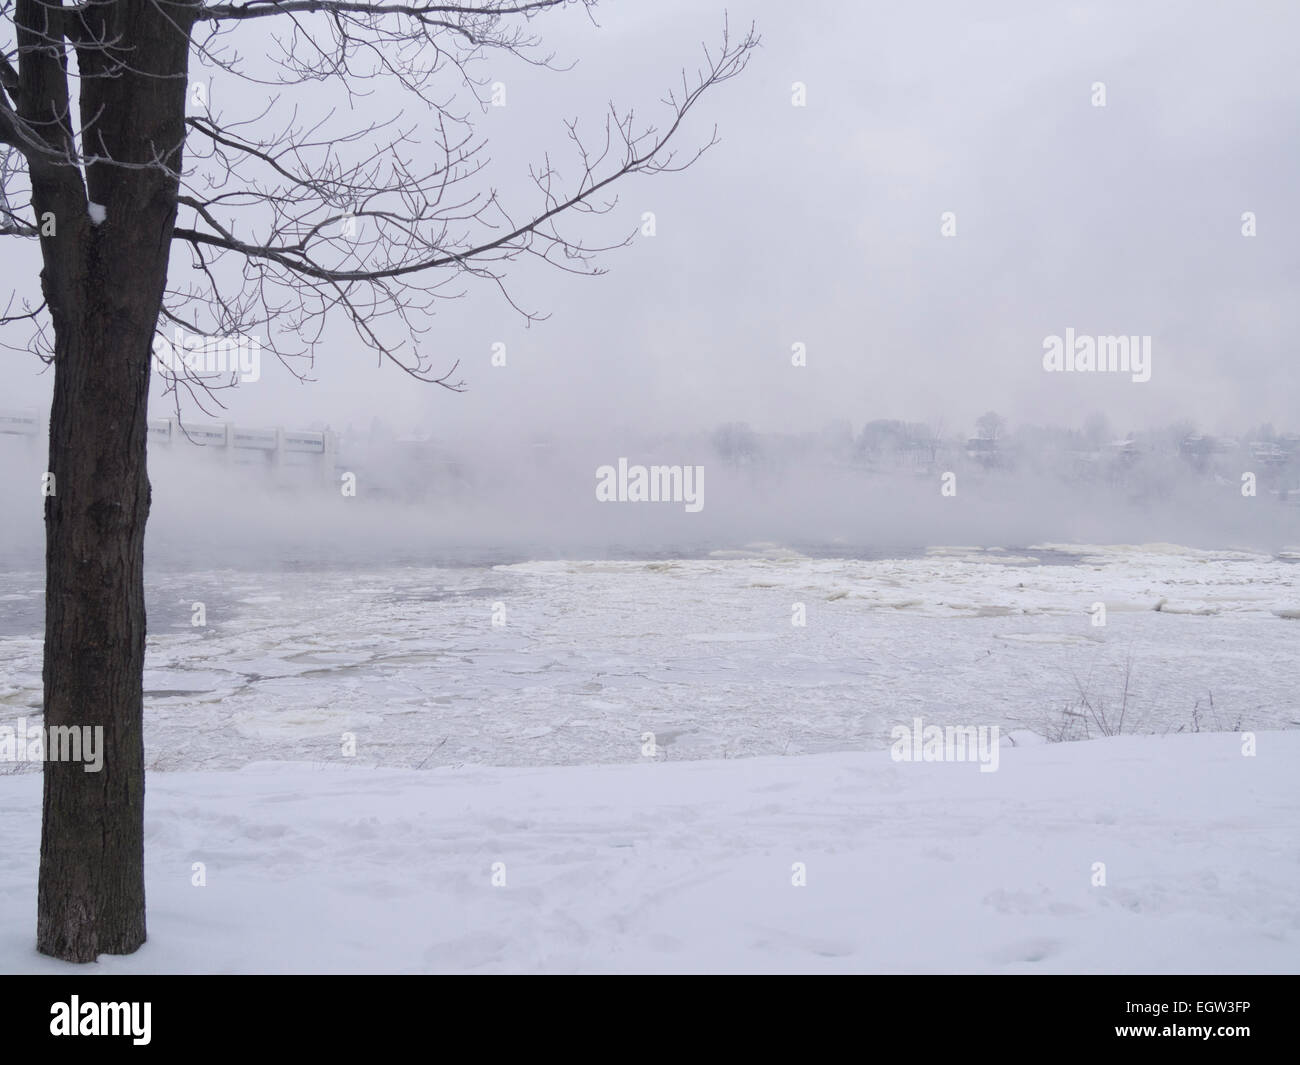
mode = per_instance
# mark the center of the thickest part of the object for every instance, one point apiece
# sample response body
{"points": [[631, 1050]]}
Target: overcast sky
{"points": [[822, 225]]}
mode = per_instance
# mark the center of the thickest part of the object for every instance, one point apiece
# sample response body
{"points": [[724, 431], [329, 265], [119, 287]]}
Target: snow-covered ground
{"points": [[690, 866], [522, 742]]}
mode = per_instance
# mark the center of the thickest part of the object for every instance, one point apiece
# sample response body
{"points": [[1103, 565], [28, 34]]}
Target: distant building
{"points": [[984, 450], [1268, 455]]}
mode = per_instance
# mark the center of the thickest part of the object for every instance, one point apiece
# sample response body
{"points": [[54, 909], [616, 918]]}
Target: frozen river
{"points": [[569, 662]]}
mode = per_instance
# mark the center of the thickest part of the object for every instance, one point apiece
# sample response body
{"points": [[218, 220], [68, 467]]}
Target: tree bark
{"points": [[91, 893], [104, 286]]}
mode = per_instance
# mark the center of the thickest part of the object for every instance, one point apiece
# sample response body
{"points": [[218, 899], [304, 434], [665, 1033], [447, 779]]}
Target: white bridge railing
{"points": [[21, 423], [235, 443]]}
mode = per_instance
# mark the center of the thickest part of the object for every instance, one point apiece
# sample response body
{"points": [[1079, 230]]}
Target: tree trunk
{"points": [[91, 894], [103, 281]]}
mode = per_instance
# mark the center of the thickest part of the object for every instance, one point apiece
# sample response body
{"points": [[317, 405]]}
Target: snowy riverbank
{"points": [[688, 866]]}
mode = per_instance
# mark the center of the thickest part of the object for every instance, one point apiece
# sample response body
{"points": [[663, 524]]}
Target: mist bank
{"points": [[421, 502]]}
